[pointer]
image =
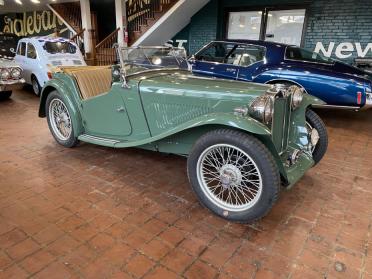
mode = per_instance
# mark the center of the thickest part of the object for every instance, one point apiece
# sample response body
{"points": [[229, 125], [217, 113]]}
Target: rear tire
{"points": [[5, 95], [313, 121], [234, 175], [59, 120]]}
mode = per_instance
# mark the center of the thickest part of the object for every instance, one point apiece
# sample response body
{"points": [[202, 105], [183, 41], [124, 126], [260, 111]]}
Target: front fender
{"points": [[65, 92]]}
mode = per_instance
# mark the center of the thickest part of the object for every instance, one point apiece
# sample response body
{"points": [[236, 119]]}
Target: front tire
{"points": [[234, 175], [59, 120], [36, 88], [5, 95], [313, 121]]}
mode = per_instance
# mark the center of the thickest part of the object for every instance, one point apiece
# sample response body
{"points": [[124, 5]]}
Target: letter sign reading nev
{"points": [[343, 50]]}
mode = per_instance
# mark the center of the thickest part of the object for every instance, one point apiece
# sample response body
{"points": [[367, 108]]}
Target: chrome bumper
{"points": [[10, 85], [368, 104]]}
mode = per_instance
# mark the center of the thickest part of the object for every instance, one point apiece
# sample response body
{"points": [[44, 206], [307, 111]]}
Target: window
{"points": [[245, 25], [21, 49], [282, 26], [234, 54], [59, 47], [31, 51], [300, 54], [285, 26]]}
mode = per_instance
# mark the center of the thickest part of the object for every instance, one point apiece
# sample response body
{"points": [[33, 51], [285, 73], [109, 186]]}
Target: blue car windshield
{"points": [[300, 54]]}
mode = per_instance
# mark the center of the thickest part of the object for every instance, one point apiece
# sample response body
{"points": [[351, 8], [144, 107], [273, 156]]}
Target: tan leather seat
{"points": [[93, 81]]}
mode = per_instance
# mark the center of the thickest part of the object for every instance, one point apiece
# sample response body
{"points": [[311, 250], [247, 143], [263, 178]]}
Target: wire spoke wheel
{"points": [[60, 119], [229, 177]]}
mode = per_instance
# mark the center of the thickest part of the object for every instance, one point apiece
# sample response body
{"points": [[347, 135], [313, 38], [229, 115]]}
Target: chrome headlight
{"points": [[297, 96], [4, 74], [262, 109], [16, 73]]}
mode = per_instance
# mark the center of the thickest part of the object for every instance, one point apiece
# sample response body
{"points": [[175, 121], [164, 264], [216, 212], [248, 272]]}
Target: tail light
{"points": [[359, 98]]}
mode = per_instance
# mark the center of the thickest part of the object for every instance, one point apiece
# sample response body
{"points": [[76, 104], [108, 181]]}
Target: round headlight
{"points": [[297, 96], [4, 74], [16, 73], [262, 109]]}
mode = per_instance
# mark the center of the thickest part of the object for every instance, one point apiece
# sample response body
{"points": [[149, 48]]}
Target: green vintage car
{"points": [[242, 140]]}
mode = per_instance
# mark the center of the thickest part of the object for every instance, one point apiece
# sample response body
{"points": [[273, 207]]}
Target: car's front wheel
{"points": [[317, 129], [234, 175], [5, 95], [59, 120]]}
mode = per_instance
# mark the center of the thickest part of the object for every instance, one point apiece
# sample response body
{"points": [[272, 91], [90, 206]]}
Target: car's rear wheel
{"points": [[314, 124], [36, 88], [234, 175], [59, 120], [5, 95]]}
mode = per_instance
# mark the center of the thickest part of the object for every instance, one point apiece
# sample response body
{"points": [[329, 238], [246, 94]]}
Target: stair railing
{"points": [[104, 53]]}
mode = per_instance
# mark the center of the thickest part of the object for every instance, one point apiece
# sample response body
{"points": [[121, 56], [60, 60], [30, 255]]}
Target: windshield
{"points": [[139, 59], [300, 54], [59, 47]]}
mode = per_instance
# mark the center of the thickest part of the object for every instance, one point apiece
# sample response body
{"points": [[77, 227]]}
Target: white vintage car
{"points": [[38, 56], [10, 78]]}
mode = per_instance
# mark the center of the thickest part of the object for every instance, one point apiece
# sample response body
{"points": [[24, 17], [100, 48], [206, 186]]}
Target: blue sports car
{"points": [[337, 84]]}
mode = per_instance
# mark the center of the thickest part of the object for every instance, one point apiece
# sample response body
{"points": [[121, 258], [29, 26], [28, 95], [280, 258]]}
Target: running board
{"points": [[98, 140], [337, 107]]}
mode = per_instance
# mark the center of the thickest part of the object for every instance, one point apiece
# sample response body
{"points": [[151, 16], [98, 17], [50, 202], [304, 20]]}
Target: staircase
{"points": [[158, 21], [70, 13], [143, 15]]}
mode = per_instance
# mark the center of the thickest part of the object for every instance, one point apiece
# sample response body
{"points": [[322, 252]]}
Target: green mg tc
{"points": [[243, 141]]}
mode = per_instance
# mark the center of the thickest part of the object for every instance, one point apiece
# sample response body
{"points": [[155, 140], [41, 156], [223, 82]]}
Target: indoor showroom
{"points": [[201, 139]]}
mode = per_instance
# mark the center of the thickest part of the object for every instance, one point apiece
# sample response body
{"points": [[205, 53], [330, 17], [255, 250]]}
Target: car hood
{"points": [[8, 63], [180, 82]]}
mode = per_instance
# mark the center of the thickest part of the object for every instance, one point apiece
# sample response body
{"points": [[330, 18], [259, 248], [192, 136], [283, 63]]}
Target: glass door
{"points": [[245, 25], [282, 26], [285, 26]]}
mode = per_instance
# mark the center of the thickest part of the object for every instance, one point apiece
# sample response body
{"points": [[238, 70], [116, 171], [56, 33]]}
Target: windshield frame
{"points": [[120, 54], [332, 61]]}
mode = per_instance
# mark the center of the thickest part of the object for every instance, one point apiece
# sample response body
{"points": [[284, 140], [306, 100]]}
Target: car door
{"points": [[252, 59], [218, 59], [105, 115], [21, 60], [32, 62]]}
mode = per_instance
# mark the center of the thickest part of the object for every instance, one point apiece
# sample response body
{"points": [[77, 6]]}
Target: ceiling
{"points": [[10, 6]]}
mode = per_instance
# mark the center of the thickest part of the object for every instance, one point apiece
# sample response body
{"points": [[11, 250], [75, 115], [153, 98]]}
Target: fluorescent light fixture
{"points": [[2, 3], [35, 1], [19, 2]]}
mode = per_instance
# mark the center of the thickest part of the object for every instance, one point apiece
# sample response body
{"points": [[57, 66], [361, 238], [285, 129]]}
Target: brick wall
{"points": [[339, 21]]}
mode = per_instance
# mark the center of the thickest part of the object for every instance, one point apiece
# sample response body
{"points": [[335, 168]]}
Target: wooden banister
{"points": [[104, 53]]}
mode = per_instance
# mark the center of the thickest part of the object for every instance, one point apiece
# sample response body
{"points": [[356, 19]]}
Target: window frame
{"points": [[264, 19], [20, 48], [235, 43]]}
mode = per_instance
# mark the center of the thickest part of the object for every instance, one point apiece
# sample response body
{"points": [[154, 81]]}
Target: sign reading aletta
{"points": [[344, 50]]}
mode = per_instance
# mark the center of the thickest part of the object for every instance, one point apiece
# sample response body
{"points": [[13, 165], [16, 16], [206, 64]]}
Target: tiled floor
{"points": [[93, 212]]}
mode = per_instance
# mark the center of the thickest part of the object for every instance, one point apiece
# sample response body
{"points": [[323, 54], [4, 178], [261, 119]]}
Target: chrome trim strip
{"points": [[336, 107], [98, 139]]}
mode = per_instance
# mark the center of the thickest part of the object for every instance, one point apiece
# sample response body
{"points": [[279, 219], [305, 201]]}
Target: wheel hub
{"points": [[230, 175]]}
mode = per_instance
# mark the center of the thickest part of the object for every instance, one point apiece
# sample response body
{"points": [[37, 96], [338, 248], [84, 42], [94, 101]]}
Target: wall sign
{"points": [[37, 23], [344, 50]]}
